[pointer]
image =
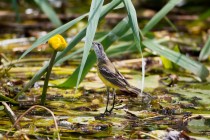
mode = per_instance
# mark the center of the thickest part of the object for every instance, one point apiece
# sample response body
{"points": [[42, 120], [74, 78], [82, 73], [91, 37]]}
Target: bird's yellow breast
{"points": [[105, 81]]}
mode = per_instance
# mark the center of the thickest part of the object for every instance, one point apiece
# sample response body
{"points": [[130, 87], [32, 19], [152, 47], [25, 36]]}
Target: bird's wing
{"points": [[113, 76]]}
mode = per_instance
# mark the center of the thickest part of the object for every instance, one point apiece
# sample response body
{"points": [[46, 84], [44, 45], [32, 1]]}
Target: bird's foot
{"points": [[108, 112]]}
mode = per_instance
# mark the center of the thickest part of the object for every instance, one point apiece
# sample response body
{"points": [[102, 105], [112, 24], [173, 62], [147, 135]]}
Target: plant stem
{"points": [[44, 91], [31, 108]]}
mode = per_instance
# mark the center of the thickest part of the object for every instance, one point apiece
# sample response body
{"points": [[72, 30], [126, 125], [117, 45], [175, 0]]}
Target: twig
{"points": [[4, 56], [11, 114], [31, 108], [13, 117]]}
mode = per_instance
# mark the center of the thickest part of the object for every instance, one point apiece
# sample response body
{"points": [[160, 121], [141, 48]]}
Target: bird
{"points": [[112, 78]]}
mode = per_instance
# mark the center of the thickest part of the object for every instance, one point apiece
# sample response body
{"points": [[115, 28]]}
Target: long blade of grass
{"points": [[133, 22], [135, 28], [95, 11], [107, 8], [48, 10], [180, 59], [162, 13], [205, 52], [111, 37]]}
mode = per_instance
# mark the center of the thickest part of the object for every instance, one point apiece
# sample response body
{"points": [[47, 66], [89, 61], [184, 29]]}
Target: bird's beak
{"points": [[94, 44]]}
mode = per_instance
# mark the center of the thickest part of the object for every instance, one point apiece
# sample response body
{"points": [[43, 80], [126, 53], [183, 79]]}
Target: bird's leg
{"points": [[107, 102], [113, 103]]}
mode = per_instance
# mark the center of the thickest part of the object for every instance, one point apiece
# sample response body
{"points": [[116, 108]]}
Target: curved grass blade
{"points": [[95, 11], [48, 10], [108, 7], [135, 28], [111, 37], [180, 59], [72, 55], [162, 13], [205, 52], [58, 30], [127, 47]]}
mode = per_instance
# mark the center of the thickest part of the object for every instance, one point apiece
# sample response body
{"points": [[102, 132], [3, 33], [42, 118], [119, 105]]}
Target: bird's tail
{"points": [[134, 90], [147, 97]]}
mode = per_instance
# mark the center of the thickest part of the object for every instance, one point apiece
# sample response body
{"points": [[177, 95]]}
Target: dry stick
{"points": [[13, 117], [31, 108], [4, 56]]}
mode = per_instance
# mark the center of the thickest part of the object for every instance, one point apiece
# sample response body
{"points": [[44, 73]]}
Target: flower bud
{"points": [[57, 42]]}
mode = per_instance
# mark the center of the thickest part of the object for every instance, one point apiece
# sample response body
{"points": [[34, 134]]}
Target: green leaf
{"points": [[162, 13], [180, 59], [48, 10], [108, 7], [135, 28], [72, 55], [167, 63], [106, 41], [133, 22], [95, 11], [205, 52], [127, 48]]}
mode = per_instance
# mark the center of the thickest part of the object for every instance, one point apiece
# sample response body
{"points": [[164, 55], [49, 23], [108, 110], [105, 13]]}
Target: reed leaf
{"points": [[205, 52], [49, 11], [95, 11], [193, 66], [135, 28], [160, 15]]}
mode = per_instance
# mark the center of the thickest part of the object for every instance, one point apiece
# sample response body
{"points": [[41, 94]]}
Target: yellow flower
{"points": [[57, 42]]}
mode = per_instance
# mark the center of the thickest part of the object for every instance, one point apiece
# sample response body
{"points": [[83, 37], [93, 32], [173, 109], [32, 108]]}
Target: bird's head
{"points": [[99, 50]]}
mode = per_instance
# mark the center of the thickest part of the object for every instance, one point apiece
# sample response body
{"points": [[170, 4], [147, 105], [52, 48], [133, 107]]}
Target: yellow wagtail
{"points": [[111, 77]]}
